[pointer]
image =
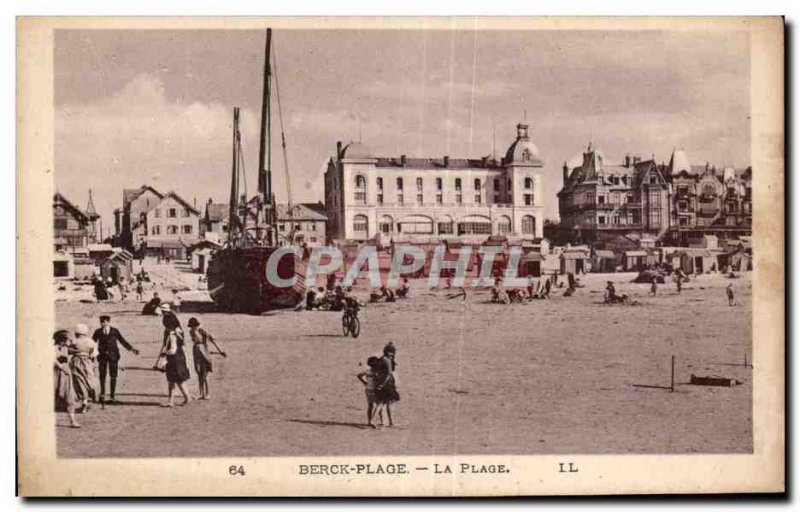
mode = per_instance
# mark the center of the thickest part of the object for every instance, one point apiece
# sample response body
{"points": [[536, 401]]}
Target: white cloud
{"points": [[137, 136]]}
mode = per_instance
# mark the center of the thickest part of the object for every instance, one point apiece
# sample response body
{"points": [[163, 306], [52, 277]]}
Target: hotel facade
{"points": [[367, 196], [672, 204]]}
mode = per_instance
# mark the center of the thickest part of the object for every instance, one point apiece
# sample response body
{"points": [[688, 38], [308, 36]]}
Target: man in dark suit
{"points": [[108, 353]]}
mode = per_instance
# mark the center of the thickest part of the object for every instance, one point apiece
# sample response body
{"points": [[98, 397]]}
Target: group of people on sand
{"points": [[78, 356], [380, 386], [386, 294], [535, 288]]}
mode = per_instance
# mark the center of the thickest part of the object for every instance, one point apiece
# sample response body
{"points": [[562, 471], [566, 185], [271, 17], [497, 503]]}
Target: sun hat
{"points": [[82, 330], [165, 307]]}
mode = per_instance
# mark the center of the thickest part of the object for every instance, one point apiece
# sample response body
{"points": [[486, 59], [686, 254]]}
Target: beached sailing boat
{"points": [[237, 273]]}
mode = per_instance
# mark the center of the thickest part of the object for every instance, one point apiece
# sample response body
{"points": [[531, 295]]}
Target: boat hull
{"points": [[237, 280]]}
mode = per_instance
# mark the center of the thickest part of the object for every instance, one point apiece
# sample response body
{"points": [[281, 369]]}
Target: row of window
{"points": [[422, 227], [361, 184], [172, 230], [172, 212], [298, 226], [65, 223]]}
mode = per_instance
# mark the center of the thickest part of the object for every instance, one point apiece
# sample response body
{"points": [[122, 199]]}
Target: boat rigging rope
{"points": [[283, 147]]}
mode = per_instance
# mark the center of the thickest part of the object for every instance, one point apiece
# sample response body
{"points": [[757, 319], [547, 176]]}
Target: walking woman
{"points": [[386, 389], [62, 375], [202, 355], [177, 371], [84, 353]]}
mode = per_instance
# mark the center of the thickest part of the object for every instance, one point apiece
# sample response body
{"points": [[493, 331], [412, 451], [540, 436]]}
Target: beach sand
{"points": [[569, 375]]}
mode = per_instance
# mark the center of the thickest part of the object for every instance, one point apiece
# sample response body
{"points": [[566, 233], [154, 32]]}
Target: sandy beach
{"points": [[568, 375]]}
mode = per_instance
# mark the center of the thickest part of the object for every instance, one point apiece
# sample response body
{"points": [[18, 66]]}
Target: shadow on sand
{"points": [[331, 423]]}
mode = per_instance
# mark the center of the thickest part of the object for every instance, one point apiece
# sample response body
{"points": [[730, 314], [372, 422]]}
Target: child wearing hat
{"points": [[202, 355]]}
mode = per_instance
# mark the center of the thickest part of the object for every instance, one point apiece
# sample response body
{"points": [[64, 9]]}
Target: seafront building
{"points": [[653, 203], [429, 199], [161, 224]]}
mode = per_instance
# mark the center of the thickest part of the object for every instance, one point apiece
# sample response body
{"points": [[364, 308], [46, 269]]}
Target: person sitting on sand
{"points": [[311, 297], [153, 306], [611, 292], [369, 379], [402, 291]]}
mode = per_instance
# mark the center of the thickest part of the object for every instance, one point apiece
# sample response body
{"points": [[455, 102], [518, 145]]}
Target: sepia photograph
{"points": [[402, 253]]}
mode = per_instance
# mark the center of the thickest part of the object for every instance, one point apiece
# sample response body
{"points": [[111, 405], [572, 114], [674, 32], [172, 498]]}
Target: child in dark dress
{"points": [[386, 390]]}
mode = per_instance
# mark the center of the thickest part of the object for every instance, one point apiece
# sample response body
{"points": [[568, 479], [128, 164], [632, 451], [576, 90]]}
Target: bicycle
{"points": [[351, 325]]}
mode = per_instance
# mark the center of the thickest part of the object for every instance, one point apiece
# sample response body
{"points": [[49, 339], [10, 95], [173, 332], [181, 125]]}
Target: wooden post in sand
{"points": [[672, 376]]}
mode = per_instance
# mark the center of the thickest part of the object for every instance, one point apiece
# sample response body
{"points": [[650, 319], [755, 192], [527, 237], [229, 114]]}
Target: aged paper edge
{"points": [[41, 473]]}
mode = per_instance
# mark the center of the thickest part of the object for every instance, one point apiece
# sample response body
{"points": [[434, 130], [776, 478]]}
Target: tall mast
{"points": [[265, 149], [234, 203]]}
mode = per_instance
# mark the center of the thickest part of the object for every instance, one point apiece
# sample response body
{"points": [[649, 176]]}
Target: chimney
{"points": [[484, 160], [403, 160], [637, 159], [627, 160], [338, 149], [565, 170], [446, 161], [209, 200], [195, 202]]}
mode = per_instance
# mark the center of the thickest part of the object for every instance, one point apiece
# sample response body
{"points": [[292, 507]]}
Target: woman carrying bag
{"points": [[176, 369]]}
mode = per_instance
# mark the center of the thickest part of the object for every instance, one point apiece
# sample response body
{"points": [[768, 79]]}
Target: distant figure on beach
{"points": [[139, 290], [654, 287], [679, 284], [202, 355], [369, 379], [176, 301], [729, 293], [530, 286]]}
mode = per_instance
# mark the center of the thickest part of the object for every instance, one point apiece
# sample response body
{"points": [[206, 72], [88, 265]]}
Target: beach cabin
{"points": [[116, 266], [575, 260], [634, 260], [605, 261]]}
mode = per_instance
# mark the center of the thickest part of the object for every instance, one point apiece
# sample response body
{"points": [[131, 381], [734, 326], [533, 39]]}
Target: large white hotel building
{"points": [[435, 198]]}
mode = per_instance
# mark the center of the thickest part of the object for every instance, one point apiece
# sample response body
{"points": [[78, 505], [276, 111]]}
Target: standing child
{"points": [[139, 290], [202, 355], [729, 292], [369, 379], [654, 287]]}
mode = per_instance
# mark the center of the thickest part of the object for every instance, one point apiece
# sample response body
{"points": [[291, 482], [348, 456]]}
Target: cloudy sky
{"points": [[155, 107]]}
